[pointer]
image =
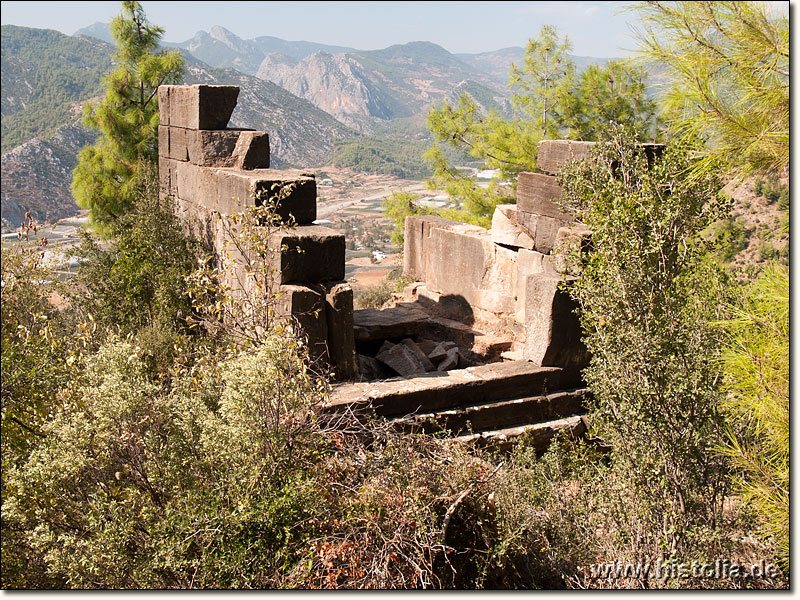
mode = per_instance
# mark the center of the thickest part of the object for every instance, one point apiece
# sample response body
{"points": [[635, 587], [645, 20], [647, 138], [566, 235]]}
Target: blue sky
{"points": [[595, 28]]}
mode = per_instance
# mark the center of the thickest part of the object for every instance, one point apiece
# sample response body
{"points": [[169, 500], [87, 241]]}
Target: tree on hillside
{"points": [[109, 172], [550, 101], [728, 77]]}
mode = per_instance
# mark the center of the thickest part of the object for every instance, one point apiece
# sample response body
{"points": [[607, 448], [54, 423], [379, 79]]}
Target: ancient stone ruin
{"points": [[213, 172], [485, 343]]}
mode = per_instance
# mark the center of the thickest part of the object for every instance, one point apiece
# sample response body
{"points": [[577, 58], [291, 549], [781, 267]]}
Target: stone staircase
{"points": [[487, 405]]}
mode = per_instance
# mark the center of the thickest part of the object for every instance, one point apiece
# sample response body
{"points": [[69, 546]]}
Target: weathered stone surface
{"points": [[536, 435], [187, 182], [400, 321], [306, 307], [553, 154], [307, 253], [197, 106], [507, 230], [294, 193], [463, 261], [450, 361], [544, 230], [536, 194], [212, 148], [370, 369], [341, 341], [252, 151], [167, 177], [530, 262], [423, 358], [553, 331], [417, 232], [402, 360], [163, 106], [575, 237], [427, 346], [459, 387]]}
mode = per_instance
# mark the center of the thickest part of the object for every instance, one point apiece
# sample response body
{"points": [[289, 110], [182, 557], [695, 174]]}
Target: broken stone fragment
{"points": [[401, 360], [440, 352], [427, 346], [506, 228], [419, 354], [370, 369], [450, 360]]}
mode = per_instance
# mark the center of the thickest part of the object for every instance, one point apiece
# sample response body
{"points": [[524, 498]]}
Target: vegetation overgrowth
{"points": [[161, 429]]}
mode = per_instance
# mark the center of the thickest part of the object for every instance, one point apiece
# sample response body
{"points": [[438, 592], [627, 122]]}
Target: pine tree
{"points": [[550, 101], [728, 77], [110, 172]]}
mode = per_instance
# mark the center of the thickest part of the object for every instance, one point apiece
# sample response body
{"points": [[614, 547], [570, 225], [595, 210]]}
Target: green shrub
{"points": [[646, 300]]}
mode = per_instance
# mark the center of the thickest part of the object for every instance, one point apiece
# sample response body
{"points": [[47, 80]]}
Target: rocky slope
{"points": [[37, 169], [37, 176]]}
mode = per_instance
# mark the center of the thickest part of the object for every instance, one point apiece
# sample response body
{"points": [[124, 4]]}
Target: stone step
{"points": [[538, 435], [508, 413], [438, 391]]}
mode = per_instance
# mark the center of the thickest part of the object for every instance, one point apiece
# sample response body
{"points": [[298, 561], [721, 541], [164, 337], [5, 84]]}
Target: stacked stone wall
{"points": [[511, 276], [212, 172]]}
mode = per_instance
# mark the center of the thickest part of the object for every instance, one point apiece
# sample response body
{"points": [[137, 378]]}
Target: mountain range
{"points": [[315, 100]]}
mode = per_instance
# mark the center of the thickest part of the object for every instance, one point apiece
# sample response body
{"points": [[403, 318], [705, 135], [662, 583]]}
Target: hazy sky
{"points": [[595, 28]]}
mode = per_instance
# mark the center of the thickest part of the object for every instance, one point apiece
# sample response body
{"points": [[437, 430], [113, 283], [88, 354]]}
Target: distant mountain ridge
{"points": [[361, 88]]}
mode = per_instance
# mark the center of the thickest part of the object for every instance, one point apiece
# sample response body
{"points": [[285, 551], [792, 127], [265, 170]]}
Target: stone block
{"points": [[179, 141], [293, 193], [187, 181], [462, 261], [569, 240], [544, 230], [536, 194], [553, 154], [417, 232], [197, 106], [403, 320], [553, 331], [252, 151], [507, 230], [163, 141], [307, 253], [212, 148], [530, 262], [167, 177], [401, 360], [305, 306], [163, 104], [418, 352], [341, 340]]}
